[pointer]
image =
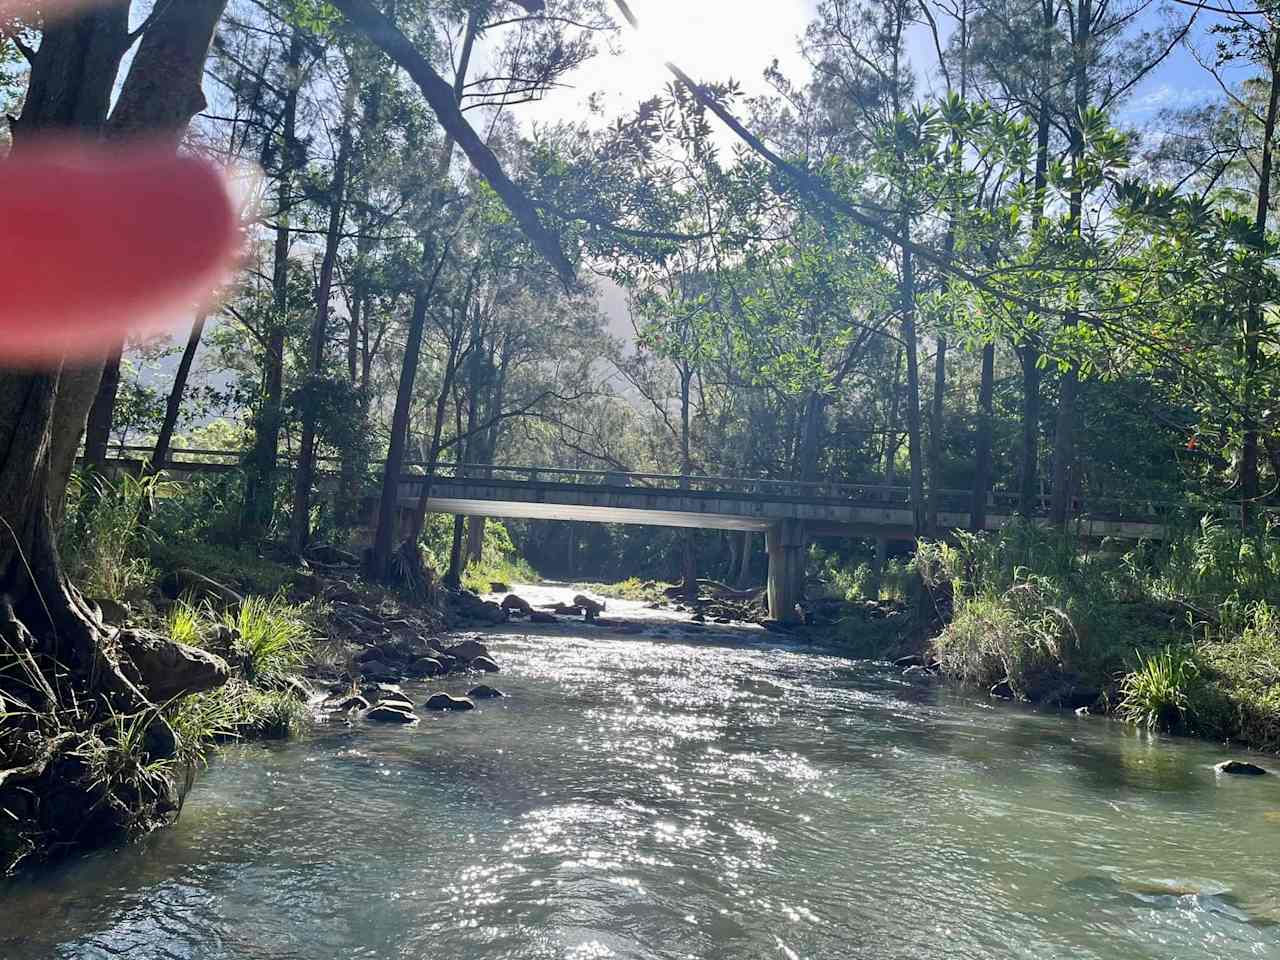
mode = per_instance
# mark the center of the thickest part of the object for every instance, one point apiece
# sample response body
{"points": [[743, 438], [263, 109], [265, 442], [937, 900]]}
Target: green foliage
{"points": [[237, 710], [1156, 693], [274, 636], [242, 570], [500, 560], [1038, 610], [273, 639], [103, 533], [184, 621]]}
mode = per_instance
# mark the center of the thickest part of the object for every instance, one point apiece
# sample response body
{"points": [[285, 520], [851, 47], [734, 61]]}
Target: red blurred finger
{"points": [[98, 243]]}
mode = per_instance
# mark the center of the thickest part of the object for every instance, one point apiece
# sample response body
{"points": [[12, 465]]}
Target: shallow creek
{"points": [[682, 794]]}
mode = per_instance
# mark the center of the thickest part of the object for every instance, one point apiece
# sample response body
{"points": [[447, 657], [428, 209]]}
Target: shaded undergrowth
{"points": [[1181, 636]]}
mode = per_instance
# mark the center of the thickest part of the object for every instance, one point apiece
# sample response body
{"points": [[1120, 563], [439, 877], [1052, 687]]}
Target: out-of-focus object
{"points": [[102, 241], [47, 8]]}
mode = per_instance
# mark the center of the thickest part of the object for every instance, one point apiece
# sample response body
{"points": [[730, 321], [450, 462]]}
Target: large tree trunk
{"points": [[393, 468], [264, 458], [1253, 312], [385, 533], [42, 417], [892, 440], [913, 389], [305, 475], [97, 437]]}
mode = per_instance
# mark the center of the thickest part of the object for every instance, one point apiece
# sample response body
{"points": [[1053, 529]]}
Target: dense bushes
{"points": [[1182, 636]]}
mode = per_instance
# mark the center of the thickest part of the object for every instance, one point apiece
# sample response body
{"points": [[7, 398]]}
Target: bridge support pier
{"points": [[785, 541]]}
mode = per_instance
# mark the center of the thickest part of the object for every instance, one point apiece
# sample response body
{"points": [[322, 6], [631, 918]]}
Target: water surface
{"points": [[673, 795]]}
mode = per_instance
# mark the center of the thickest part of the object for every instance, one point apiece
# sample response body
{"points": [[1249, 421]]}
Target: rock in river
{"points": [[484, 692], [443, 701], [426, 667], [516, 604], [353, 702], [1240, 768], [484, 664], [468, 650], [390, 713], [543, 616]]}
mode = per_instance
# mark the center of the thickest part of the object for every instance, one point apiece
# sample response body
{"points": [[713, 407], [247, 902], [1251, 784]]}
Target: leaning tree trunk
{"points": [[300, 531], [1253, 310], [173, 405], [61, 661]]}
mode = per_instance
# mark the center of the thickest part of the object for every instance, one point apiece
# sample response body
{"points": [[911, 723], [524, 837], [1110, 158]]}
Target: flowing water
{"points": [[672, 795]]}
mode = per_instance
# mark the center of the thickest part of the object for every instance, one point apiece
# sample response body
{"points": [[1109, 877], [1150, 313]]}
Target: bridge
{"points": [[789, 513]]}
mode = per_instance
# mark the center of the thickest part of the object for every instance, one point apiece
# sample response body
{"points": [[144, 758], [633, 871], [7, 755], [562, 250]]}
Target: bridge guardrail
{"points": [[868, 493]]}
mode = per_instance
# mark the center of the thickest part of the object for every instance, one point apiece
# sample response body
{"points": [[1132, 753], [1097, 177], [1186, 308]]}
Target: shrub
{"points": [[1157, 692], [103, 533]]}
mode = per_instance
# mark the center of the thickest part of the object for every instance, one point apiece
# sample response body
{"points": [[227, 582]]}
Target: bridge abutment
{"points": [[785, 542]]}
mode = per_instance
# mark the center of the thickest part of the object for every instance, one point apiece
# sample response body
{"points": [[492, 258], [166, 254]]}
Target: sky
{"points": [[715, 40]]}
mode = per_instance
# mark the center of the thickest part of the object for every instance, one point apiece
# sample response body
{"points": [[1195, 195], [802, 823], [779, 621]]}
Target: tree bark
{"points": [[264, 458], [42, 414], [891, 443], [173, 405], [1253, 312], [986, 422], [444, 102], [913, 388], [304, 476], [393, 468]]}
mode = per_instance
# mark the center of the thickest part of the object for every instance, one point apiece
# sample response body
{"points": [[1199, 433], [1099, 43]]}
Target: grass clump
{"points": [[103, 534], [266, 639], [1156, 693], [273, 636]]}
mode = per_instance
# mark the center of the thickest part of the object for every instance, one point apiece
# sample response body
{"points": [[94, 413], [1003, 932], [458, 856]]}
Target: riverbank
{"points": [[1181, 637]]}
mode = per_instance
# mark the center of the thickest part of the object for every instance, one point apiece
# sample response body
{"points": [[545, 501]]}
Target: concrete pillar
{"points": [[785, 541]]}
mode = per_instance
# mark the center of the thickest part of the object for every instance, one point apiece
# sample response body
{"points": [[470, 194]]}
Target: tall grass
{"points": [[1156, 693], [270, 639], [103, 534], [1182, 634], [273, 636]]}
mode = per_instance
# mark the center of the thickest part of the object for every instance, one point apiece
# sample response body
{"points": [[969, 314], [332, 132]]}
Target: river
{"points": [[673, 795]]}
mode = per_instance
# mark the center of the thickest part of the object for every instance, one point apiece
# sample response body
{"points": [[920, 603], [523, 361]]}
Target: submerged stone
{"points": [[484, 664], [1240, 768], [484, 692]]}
